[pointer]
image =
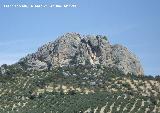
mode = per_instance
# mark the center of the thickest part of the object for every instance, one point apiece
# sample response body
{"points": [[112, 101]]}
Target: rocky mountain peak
{"points": [[77, 49]]}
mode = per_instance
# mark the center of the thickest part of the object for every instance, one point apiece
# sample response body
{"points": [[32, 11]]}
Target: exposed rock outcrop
{"points": [[3, 69], [75, 49]]}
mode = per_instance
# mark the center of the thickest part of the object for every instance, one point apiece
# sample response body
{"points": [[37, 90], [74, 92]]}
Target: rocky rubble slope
{"points": [[76, 49]]}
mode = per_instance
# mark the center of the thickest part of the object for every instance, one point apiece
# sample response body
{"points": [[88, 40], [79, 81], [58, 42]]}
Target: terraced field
{"points": [[88, 103], [70, 90]]}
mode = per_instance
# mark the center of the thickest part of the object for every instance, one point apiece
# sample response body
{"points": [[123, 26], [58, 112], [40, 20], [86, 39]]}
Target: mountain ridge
{"points": [[28, 87], [75, 49]]}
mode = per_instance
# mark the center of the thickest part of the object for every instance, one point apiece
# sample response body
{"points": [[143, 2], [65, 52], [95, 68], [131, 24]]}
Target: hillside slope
{"points": [[78, 74], [81, 89]]}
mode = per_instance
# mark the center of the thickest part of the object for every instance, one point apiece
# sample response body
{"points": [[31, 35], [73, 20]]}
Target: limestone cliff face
{"points": [[75, 49]]}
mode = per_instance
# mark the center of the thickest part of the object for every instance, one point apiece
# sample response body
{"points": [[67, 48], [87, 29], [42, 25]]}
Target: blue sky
{"points": [[133, 23]]}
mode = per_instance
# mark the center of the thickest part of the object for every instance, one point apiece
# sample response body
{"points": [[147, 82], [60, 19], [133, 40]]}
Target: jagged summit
{"points": [[74, 79], [76, 49]]}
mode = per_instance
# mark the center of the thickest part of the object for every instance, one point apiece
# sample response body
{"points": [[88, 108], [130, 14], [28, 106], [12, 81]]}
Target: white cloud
{"points": [[8, 61], [10, 58]]}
